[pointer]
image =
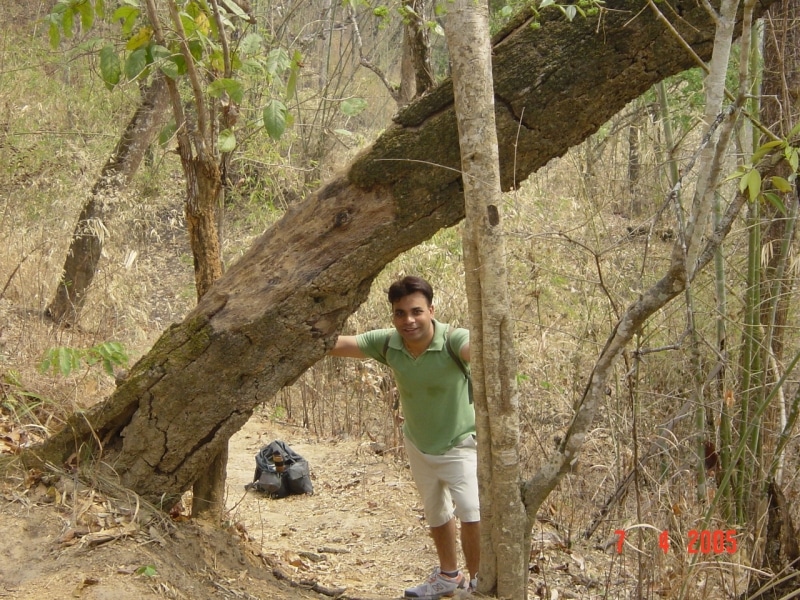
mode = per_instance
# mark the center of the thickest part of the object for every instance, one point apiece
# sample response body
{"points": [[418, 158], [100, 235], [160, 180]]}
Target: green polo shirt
{"points": [[434, 393]]}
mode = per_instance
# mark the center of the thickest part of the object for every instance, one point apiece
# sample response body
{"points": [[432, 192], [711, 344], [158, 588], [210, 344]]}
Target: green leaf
{"points": [[227, 141], [546, 3], [232, 87], [54, 33], [353, 106], [112, 351], [781, 184], [251, 66], [277, 61], [570, 11], [87, 14], [167, 133], [791, 155], [110, 69], [140, 39], [752, 183], [275, 118], [128, 16], [111, 354], [251, 44], [795, 130], [776, 201], [294, 72], [135, 64], [170, 69], [100, 9], [763, 150], [67, 23], [180, 63], [196, 49], [737, 174], [217, 61], [236, 10], [147, 571], [159, 52], [188, 24], [60, 360]]}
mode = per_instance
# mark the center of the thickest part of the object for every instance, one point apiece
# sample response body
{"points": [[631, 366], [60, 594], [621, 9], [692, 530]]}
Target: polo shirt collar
{"points": [[437, 343]]}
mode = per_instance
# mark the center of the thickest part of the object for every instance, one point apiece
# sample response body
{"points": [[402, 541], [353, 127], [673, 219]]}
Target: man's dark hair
{"points": [[410, 285]]}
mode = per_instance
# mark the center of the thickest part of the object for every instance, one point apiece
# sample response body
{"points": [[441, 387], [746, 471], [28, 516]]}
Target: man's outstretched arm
{"points": [[347, 347]]}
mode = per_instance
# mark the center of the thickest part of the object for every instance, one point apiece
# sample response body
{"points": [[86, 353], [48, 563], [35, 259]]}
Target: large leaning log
{"points": [[274, 313]]}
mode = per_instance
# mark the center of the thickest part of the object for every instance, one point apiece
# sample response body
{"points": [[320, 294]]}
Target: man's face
{"points": [[412, 316]]}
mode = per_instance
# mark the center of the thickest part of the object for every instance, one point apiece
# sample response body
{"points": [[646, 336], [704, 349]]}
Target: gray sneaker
{"points": [[438, 585]]}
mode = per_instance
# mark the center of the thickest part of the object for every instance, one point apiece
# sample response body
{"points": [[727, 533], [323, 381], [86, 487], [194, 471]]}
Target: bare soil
{"points": [[360, 535]]}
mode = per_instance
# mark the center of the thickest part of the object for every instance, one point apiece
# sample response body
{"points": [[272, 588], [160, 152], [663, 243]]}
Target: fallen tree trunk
{"points": [[274, 313]]}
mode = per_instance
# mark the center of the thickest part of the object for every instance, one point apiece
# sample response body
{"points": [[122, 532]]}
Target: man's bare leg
{"points": [[444, 538], [471, 545]]}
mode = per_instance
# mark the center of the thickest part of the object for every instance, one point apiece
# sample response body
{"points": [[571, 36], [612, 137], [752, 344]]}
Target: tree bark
{"points": [[196, 137], [278, 309], [415, 37], [493, 362], [86, 247]]}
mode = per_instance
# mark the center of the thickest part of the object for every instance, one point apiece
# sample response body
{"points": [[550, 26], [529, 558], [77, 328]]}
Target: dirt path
{"points": [[361, 533], [361, 529]]}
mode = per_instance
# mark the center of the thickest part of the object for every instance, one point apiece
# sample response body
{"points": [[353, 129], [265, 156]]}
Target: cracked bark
{"points": [[275, 312]]}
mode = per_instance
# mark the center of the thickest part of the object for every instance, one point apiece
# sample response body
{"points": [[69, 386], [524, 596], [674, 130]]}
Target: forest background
{"points": [[706, 395]]}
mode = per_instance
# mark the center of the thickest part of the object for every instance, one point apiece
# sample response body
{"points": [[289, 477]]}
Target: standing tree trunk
{"points": [[415, 37], [197, 149], [504, 523], [86, 248], [275, 312]]}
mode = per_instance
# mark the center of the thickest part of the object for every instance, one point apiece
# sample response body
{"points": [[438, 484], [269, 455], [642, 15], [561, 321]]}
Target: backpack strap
{"points": [[453, 354], [457, 359], [386, 348]]}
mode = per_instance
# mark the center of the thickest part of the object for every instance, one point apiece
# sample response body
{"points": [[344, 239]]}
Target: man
{"points": [[439, 424]]}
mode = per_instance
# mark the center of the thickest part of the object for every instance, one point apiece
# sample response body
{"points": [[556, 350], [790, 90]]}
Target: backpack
{"points": [[280, 471], [456, 358]]}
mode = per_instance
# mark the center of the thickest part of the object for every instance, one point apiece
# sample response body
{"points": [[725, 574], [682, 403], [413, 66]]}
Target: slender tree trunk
{"points": [[416, 36], [504, 554], [634, 170], [196, 137], [203, 194], [86, 248], [408, 82]]}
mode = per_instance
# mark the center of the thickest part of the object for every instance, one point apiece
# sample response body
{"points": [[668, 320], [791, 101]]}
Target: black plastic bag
{"points": [[280, 471]]}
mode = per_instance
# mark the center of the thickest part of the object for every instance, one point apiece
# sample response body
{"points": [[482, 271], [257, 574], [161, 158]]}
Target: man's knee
{"points": [[470, 513]]}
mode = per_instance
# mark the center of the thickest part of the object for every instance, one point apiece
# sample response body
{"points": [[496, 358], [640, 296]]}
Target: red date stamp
{"points": [[704, 541]]}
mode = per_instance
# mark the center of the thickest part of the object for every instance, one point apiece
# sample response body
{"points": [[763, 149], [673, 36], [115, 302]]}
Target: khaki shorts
{"points": [[446, 480]]}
